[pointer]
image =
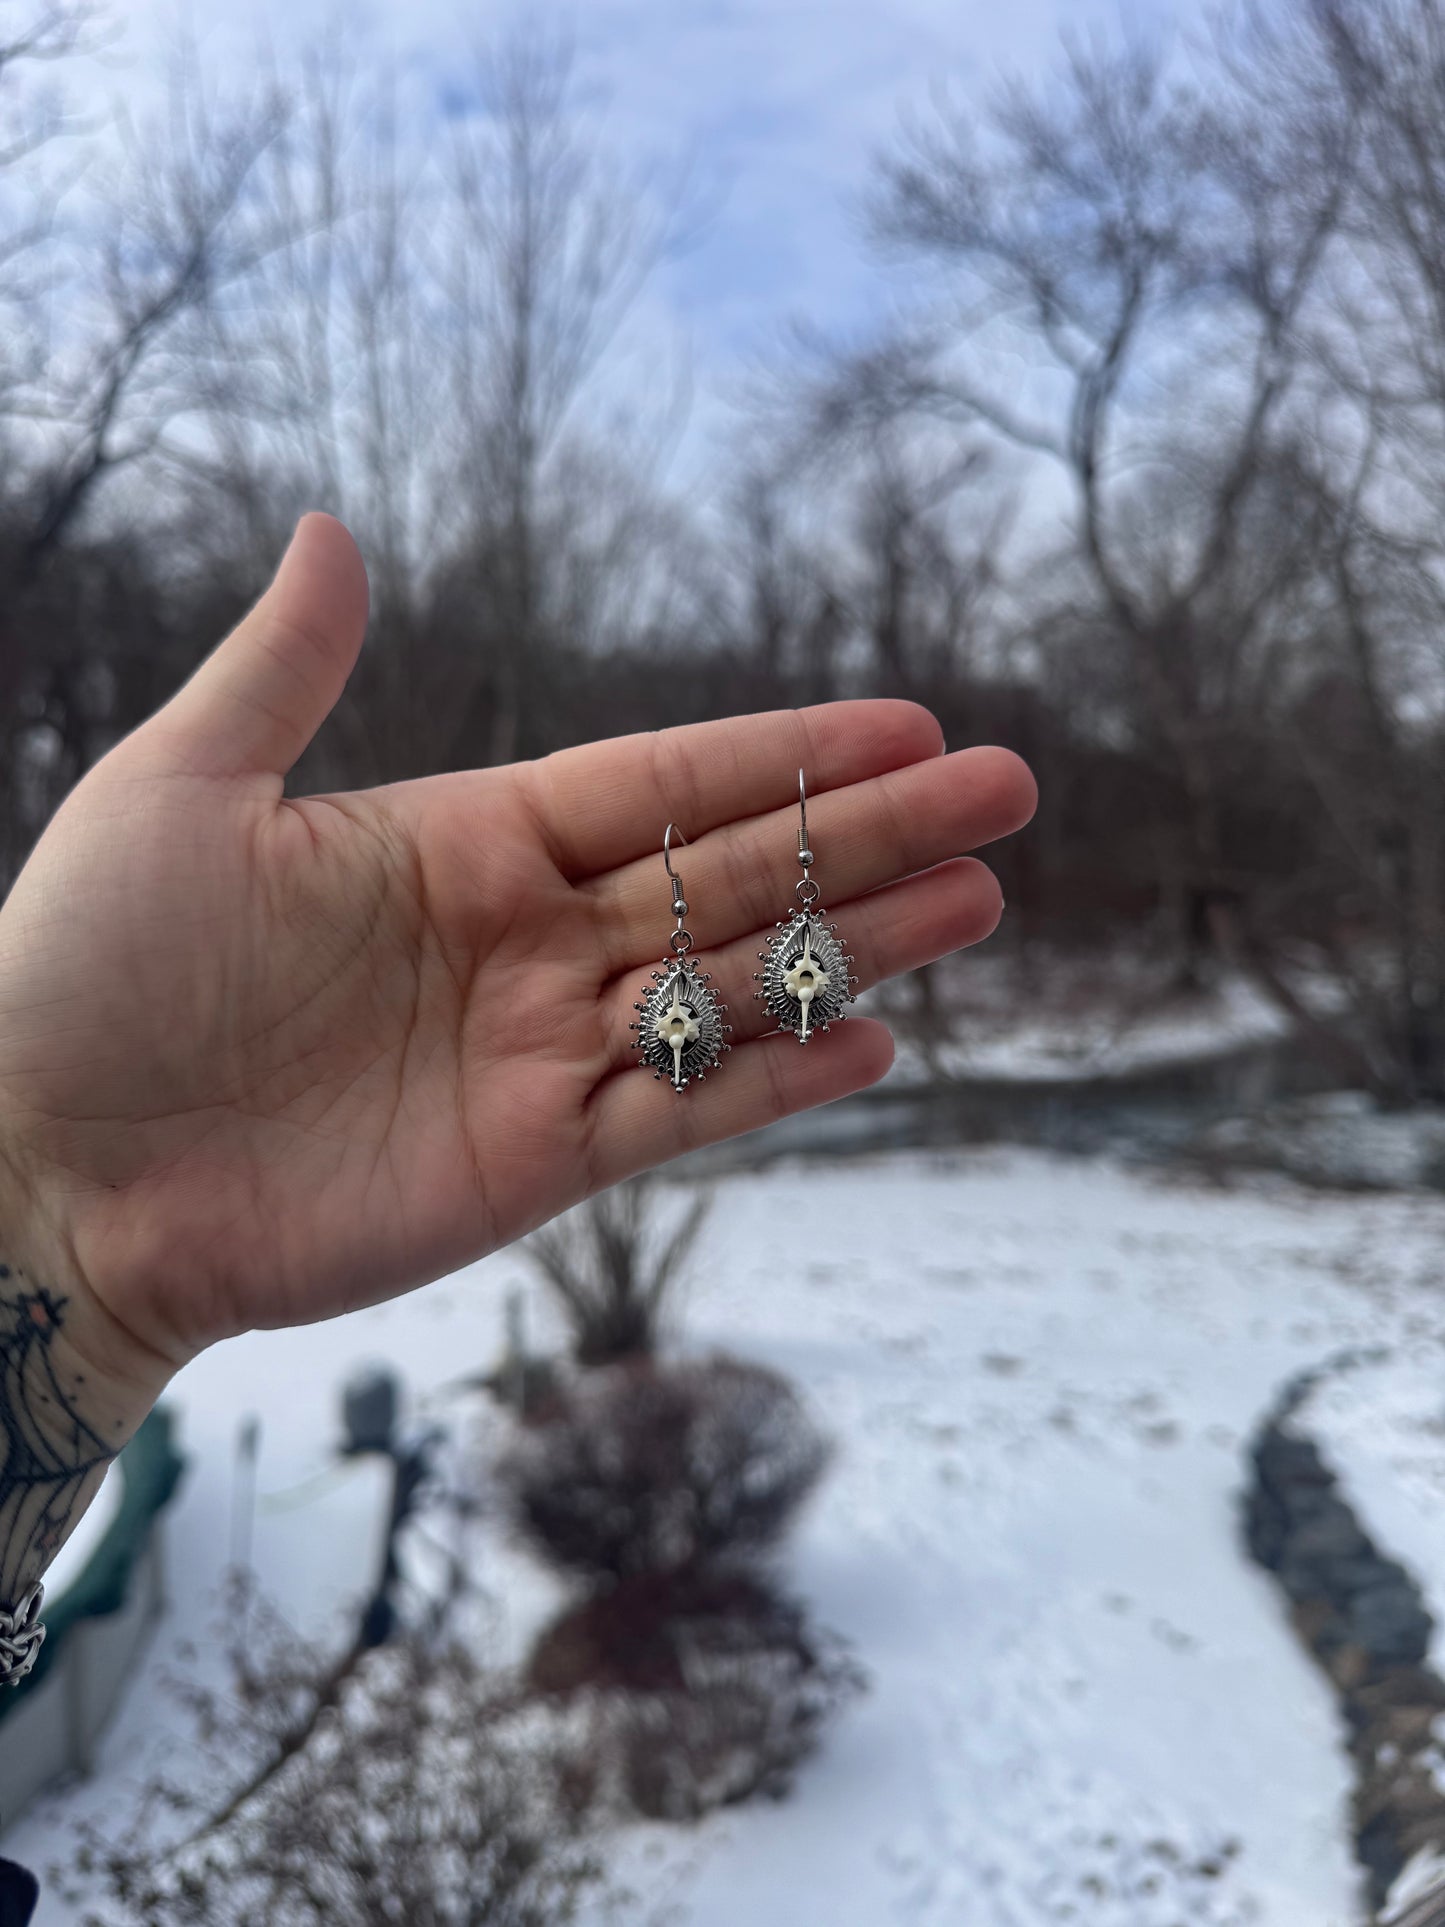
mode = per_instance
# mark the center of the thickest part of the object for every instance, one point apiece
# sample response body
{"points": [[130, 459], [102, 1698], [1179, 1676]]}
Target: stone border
{"points": [[1363, 1619]]}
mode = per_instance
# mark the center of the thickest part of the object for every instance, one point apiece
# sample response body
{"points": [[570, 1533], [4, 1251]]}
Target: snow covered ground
{"points": [[1085, 1705]]}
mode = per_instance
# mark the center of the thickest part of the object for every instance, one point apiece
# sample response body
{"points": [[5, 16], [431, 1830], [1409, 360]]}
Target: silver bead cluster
{"points": [[21, 1636]]}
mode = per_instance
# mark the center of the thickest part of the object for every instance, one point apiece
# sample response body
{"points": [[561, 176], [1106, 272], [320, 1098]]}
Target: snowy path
{"points": [[1085, 1705]]}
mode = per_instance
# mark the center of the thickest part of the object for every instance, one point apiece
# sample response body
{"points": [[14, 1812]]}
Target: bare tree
{"points": [[549, 250], [427, 356], [1380, 772], [37, 46], [181, 230], [119, 239], [1171, 255]]}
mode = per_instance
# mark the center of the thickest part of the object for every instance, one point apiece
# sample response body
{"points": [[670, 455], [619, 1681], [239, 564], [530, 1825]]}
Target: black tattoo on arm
{"points": [[52, 1457]]}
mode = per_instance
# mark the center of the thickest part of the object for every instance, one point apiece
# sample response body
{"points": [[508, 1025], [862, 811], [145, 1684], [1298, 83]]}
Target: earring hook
{"points": [[805, 854], [679, 901], [668, 834]]}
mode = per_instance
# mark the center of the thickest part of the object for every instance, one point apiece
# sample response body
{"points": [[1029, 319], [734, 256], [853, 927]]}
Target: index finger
{"points": [[608, 803]]}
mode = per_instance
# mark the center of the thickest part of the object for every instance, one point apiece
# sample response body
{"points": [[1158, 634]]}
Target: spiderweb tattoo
{"points": [[51, 1458]]}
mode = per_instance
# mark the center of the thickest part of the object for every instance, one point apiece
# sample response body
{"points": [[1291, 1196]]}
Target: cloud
{"points": [[777, 107]]}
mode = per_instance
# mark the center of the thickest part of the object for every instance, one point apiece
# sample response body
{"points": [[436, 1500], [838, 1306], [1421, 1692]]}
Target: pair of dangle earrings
{"points": [[805, 979]]}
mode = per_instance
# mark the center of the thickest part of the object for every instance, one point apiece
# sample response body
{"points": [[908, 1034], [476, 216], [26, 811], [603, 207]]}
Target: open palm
{"points": [[263, 1059]]}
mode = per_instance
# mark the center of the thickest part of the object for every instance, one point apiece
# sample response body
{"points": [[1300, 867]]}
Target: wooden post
{"points": [[515, 1370]]}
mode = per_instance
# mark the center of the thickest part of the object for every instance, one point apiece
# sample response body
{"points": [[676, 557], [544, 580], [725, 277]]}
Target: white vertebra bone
{"points": [[677, 1027], [806, 980]]}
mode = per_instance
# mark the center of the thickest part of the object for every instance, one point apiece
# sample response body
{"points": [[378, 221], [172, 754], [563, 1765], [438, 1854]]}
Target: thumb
{"points": [[259, 698]]}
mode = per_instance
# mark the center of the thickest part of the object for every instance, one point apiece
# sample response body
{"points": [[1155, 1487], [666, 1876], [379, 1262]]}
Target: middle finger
{"points": [[740, 878]]}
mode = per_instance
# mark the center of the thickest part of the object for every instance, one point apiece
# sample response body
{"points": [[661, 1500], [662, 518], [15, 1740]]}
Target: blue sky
{"points": [[777, 106]]}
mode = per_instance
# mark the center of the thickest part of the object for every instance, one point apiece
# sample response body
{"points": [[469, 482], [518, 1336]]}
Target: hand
{"points": [[263, 1059]]}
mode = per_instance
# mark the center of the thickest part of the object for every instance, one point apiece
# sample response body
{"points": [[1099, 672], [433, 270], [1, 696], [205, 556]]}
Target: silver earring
{"points": [[680, 1028], [805, 977]]}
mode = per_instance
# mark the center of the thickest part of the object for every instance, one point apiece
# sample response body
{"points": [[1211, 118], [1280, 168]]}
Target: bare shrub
{"points": [[642, 1634], [610, 1264], [684, 1680], [648, 1468], [696, 1691], [740, 1732], [417, 1795]]}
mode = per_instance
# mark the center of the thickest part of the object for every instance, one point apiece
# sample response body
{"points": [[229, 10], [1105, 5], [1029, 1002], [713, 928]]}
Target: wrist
{"points": [[74, 1386], [105, 1375]]}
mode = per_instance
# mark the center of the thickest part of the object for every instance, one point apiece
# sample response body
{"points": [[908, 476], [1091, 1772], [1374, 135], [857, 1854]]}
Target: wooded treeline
{"points": [[1147, 482]]}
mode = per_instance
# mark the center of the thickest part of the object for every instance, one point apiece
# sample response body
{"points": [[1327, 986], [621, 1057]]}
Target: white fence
{"points": [[54, 1729]]}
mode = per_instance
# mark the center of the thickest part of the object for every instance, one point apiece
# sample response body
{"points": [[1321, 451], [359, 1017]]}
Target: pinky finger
{"points": [[639, 1122]]}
